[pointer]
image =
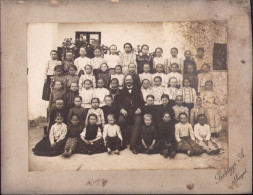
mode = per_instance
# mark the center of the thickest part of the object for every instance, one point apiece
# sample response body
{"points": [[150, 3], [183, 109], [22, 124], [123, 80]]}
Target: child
{"points": [[146, 74], [159, 72], [112, 135], [97, 111], [110, 107], [172, 90], [118, 75], [167, 136], [81, 61], [179, 108], [49, 72], [53, 146], [158, 90], [199, 58], [112, 59], [146, 89], [148, 136], [58, 77], [174, 73], [114, 88], [189, 94], [192, 75], [210, 103], [87, 94], [88, 75], [196, 111], [68, 62], [71, 94], [175, 59], [136, 78], [185, 137], [159, 59], [91, 141], [57, 92], [203, 137], [74, 130], [188, 59], [126, 58], [144, 57], [104, 74], [150, 108], [100, 92], [71, 77], [97, 60], [205, 76], [79, 111]]}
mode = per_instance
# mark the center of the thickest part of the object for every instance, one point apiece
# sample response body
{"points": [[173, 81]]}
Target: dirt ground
{"points": [[125, 161]]}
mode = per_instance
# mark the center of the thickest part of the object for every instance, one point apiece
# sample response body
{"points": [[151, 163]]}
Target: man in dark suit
{"points": [[131, 103]]}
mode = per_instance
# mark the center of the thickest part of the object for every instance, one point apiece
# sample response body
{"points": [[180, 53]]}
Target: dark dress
{"points": [[193, 80], [114, 93], [56, 94], [160, 109], [136, 80], [150, 109], [105, 76], [80, 112], [70, 96], [73, 135], [186, 61], [114, 109], [140, 59]]}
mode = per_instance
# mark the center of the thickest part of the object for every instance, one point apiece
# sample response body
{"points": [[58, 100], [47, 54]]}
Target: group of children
{"points": [[180, 113]]}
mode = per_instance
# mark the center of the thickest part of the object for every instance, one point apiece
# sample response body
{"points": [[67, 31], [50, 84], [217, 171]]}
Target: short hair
{"points": [[144, 46], [53, 51], [90, 115], [78, 97], [114, 79], [109, 96], [174, 63], [158, 77], [182, 113], [165, 96], [59, 99], [95, 98], [82, 48], [73, 66], [129, 45], [148, 116], [111, 115], [113, 45], [158, 48], [76, 116], [201, 115], [58, 67], [118, 66], [150, 96], [88, 65], [174, 49]]}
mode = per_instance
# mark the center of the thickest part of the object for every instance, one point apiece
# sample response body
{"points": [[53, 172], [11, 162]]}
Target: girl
{"points": [[179, 108], [81, 61], [88, 75], [97, 60], [203, 137], [159, 72], [146, 74], [142, 58], [91, 141], [100, 92], [53, 146], [87, 94], [126, 58], [118, 75], [188, 59], [58, 77], [185, 137], [79, 111], [146, 89], [192, 75], [136, 78], [159, 59], [49, 72], [71, 77], [196, 111], [158, 90], [205, 76], [112, 136], [104, 74], [57, 92], [68, 62], [70, 95], [174, 73], [189, 94], [112, 59], [210, 103], [114, 88], [74, 130], [97, 111], [175, 59], [148, 136], [172, 90]]}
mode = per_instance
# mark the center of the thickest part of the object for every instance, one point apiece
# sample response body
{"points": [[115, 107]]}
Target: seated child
{"points": [[158, 90], [185, 137], [149, 144], [56, 93], [150, 108], [118, 75], [146, 89], [179, 108], [159, 59], [205, 76], [71, 77], [87, 76], [87, 94], [175, 74], [81, 61], [203, 136], [188, 59], [160, 72], [71, 94], [192, 76], [112, 135], [196, 111], [167, 136], [77, 110], [104, 74], [58, 77], [97, 111], [97, 60], [112, 59], [127, 57], [175, 59], [136, 78], [54, 145], [91, 141], [74, 130], [100, 92], [189, 94], [145, 57], [68, 62], [114, 88], [110, 107], [146, 74], [172, 90]]}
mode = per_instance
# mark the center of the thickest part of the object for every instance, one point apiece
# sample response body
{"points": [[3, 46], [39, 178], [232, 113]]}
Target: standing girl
{"points": [[71, 77], [159, 59], [97, 60], [126, 58], [158, 90], [87, 94], [88, 75], [112, 59], [104, 74], [81, 61], [118, 75], [142, 58], [57, 93], [146, 89], [172, 90], [175, 59], [160, 72]]}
